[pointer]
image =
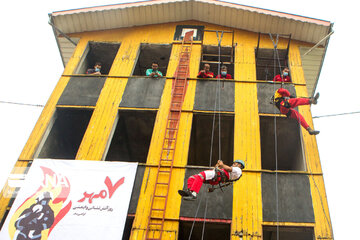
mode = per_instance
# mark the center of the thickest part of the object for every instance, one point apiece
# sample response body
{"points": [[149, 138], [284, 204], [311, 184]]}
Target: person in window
{"points": [[284, 77], [153, 71], [205, 73], [95, 70], [285, 103], [220, 174], [223, 73]]}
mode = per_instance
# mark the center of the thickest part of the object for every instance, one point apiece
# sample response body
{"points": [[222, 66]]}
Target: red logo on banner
{"points": [[105, 192]]}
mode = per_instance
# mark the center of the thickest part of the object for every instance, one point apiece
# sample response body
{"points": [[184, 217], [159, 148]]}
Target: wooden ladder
{"points": [[156, 217]]}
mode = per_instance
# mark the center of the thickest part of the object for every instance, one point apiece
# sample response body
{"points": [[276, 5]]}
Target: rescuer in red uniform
{"points": [[284, 77], [205, 73], [220, 174], [285, 103], [223, 73]]}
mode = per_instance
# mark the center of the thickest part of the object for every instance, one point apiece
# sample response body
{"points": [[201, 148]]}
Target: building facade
{"points": [[122, 115]]}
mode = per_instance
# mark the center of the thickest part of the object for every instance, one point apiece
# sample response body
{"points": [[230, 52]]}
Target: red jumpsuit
{"points": [[205, 75], [294, 102], [195, 182], [228, 76], [278, 78]]}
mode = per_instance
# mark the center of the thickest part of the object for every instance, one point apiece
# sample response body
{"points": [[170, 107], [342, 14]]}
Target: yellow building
{"points": [[173, 125]]}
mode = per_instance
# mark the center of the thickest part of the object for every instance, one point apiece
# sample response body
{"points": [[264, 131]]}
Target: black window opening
{"points": [[65, 133], [213, 230], [201, 135], [210, 55], [149, 53], [132, 136], [104, 53], [269, 64], [288, 233], [290, 154]]}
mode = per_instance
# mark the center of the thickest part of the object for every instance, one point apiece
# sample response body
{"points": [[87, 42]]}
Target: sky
{"points": [[31, 66]]}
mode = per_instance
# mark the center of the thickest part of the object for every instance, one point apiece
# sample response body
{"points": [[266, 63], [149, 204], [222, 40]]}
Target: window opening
{"points": [[65, 133], [266, 68], [290, 152], [132, 136], [200, 140], [210, 55], [288, 233], [149, 53], [104, 53], [213, 231]]}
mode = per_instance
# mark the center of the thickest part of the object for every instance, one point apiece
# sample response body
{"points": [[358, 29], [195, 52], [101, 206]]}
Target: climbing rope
{"points": [[275, 138], [276, 54], [217, 106]]}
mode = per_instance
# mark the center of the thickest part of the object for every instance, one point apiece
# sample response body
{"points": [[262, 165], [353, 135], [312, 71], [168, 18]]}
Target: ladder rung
{"points": [[155, 223], [162, 183], [165, 171], [170, 138], [160, 196], [158, 209], [172, 129], [168, 148], [152, 238], [166, 160]]}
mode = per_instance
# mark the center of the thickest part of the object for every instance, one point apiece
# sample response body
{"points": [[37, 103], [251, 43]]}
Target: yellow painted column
{"points": [[102, 121], [247, 203], [7, 191], [321, 210], [41, 126], [171, 224]]}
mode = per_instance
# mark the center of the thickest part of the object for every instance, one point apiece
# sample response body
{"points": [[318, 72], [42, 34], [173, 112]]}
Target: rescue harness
{"points": [[277, 101], [222, 179]]}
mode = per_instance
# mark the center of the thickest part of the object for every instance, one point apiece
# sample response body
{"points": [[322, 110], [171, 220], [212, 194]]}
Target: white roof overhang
{"points": [[232, 15]]}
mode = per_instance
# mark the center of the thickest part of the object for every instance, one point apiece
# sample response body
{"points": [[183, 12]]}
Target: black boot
{"points": [[312, 131], [314, 100]]}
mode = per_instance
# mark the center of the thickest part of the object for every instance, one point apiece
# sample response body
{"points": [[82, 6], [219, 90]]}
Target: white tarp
{"points": [[68, 199]]}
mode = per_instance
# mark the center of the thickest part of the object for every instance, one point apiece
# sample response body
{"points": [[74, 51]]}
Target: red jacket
{"points": [[228, 76], [205, 75], [278, 78]]}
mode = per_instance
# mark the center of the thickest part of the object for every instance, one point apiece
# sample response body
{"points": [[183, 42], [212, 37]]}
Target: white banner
{"points": [[68, 199]]}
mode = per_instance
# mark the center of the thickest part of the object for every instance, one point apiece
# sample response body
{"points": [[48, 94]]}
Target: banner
{"points": [[68, 199]]}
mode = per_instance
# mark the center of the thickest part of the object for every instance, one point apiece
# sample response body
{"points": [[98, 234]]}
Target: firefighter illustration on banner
{"points": [[39, 214]]}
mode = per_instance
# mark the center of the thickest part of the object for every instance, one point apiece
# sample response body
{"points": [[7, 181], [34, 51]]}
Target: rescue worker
{"points": [[33, 220], [95, 70], [284, 77], [154, 70], [205, 73], [223, 73], [285, 103], [222, 173]]}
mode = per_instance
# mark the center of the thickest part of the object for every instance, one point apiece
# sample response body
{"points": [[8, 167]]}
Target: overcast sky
{"points": [[31, 66]]}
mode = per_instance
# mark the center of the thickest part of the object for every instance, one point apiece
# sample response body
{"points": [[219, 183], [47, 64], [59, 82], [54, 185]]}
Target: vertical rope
{"points": [[217, 95], [275, 139]]}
